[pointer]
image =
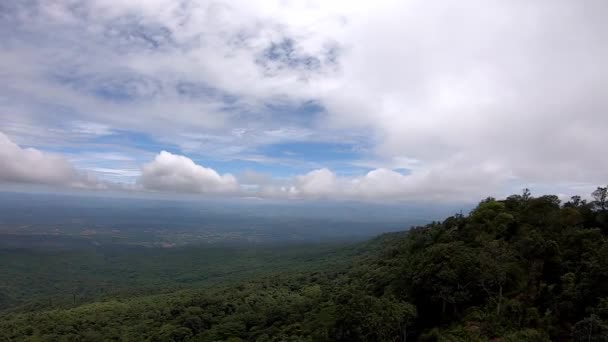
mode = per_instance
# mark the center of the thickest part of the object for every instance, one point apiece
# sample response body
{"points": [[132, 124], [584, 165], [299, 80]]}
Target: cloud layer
{"points": [[173, 173], [385, 184], [470, 98]]}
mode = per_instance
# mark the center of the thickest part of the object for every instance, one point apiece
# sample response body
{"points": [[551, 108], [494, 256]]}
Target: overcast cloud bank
{"points": [[439, 100]]}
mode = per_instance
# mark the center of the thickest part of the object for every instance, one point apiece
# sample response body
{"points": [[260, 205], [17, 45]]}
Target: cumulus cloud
{"points": [[443, 182], [175, 173], [29, 165], [448, 180], [321, 183]]}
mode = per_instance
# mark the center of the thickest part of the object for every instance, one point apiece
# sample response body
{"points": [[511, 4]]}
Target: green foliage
{"points": [[35, 279], [521, 269]]}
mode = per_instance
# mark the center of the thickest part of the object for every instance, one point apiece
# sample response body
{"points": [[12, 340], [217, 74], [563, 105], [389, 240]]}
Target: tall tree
{"points": [[600, 198]]}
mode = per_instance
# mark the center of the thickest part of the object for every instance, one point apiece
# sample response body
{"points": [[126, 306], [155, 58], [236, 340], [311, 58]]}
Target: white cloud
{"points": [[90, 128], [175, 173], [316, 183], [469, 96], [448, 181], [29, 165]]}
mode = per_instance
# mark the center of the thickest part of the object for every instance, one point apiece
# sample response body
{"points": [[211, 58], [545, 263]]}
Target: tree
{"points": [[526, 194], [361, 317], [590, 329], [445, 274], [496, 262], [600, 198], [600, 204], [575, 202]]}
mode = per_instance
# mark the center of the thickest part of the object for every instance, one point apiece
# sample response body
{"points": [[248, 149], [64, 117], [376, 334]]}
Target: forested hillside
{"points": [[520, 269]]}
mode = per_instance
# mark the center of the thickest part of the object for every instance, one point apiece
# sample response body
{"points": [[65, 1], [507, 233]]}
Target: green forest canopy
{"points": [[520, 269]]}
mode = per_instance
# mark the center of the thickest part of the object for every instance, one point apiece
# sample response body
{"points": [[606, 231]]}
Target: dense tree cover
{"points": [[521, 269], [34, 278]]}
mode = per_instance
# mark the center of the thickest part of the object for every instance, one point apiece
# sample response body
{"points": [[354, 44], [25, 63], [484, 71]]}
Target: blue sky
{"points": [[332, 100]]}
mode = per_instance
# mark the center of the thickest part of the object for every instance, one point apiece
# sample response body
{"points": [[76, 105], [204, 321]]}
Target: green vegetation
{"points": [[520, 269], [70, 274]]}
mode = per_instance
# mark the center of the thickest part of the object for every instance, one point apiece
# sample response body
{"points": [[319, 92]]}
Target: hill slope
{"points": [[520, 269]]}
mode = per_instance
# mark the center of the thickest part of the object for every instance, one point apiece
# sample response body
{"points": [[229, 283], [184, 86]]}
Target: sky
{"points": [[340, 100]]}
